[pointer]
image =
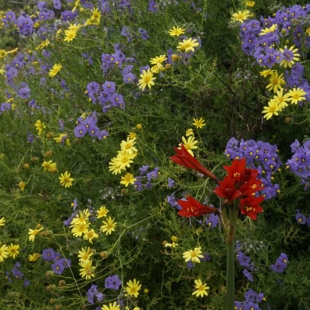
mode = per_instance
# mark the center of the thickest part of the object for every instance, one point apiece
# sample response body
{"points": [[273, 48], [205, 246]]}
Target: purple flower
{"points": [[300, 218], [113, 282], [280, 264], [248, 275], [48, 254], [143, 33], [26, 282], [57, 4], [153, 6], [243, 259], [58, 267], [212, 220], [152, 174], [171, 183], [143, 169]]}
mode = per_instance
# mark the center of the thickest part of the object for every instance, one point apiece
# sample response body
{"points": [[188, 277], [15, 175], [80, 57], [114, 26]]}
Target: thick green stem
{"points": [[230, 271], [230, 275]]}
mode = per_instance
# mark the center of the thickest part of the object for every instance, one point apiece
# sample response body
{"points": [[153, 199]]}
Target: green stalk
{"points": [[230, 265], [230, 276]]}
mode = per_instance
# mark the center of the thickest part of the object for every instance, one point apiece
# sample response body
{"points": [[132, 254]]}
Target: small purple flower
{"points": [[248, 275], [113, 282], [152, 174], [26, 282], [243, 259], [48, 254], [171, 183], [143, 169], [300, 218], [58, 267], [143, 33], [153, 6]]}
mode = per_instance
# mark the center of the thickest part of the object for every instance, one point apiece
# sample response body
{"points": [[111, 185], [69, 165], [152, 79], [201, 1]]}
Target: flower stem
{"points": [[230, 266], [230, 276]]}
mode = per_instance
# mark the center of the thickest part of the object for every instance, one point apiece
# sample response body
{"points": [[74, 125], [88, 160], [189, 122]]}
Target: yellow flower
{"points": [[74, 27], [2, 221], [128, 146], [241, 16], [49, 166], [21, 185], [199, 123], [272, 28], [201, 289], [296, 95], [133, 288], [188, 45], [70, 35], [33, 257], [266, 72], [62, 137], [65, 179], [158, 60], [79, 229], [281, 99], [89, 235], [56, 68], [146, 79], [85, 254], [189, 132], [176, 31], [189, 144], [3, 253], [193, 255], [33, 232], [81, 218], [272, 109], [39, 126], [111, 306], [290, 56], [128, 179], [250, 4], [102, 212], [108, 226], [2, 70], [43, 44], [87, 270], [96, 16], [276, 82], [13, 250]]}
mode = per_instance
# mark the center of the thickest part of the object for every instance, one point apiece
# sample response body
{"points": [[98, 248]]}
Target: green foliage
{"points": [[216, 82]]}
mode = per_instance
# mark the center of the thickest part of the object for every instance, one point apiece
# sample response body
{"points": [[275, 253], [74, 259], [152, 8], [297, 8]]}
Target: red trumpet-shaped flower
{"points": [[192, 207], [250, 206], [227, 189], [185, 159]]}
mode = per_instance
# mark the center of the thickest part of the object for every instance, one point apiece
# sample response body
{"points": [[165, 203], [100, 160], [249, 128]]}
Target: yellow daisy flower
{"points": [[187, 45], [193, 255], [65, 179], [108, 226], [176, 31], [56, 68], [133, 287], [201, 289], [146, 79]]}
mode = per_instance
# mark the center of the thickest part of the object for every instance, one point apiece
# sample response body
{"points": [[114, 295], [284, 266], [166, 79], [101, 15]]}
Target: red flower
{"points": [[192, 207], [250, 206], [236, 168], [185, 159], [227, 190]]}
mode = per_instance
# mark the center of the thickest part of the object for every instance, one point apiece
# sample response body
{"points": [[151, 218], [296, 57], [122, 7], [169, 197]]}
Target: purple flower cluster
{"points": [[212, 220], [299, 163], [145, 175], [59, 263], [262, 46], [280, 264], [89, 126], [16, 273], [105, 95], [301, 219], [245, 261], [261, 156], [92, 293], [252, 299]]}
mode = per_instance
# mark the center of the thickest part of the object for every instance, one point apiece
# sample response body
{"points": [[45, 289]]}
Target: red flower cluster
{"points": [[242, 183]]}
